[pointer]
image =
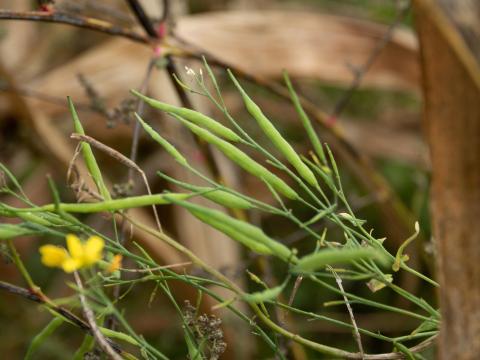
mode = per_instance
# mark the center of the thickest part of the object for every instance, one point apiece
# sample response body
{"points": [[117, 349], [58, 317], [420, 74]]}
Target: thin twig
{"points": [[163, 267], [26, 92], [107, 150], [141, 104], [97, 334], [40, 298], [74, 20], [360, 72], [350, 312], [121, 159], [142, 18], [77, 184], [171, 70], [296, 286]]}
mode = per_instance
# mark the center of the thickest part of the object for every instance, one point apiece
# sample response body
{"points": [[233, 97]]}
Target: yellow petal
{"points": [[115, 264], [93, 250], [71, 264], [53, 256], [75, 247]]}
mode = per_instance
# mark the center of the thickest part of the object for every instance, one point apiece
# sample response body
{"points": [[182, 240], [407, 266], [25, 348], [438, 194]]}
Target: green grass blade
{"points": [[88, 156], [42, 336]]}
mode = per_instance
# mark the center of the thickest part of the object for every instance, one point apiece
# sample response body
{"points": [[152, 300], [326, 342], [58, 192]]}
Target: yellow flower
{"points": [[79, 254], [115, 264]]}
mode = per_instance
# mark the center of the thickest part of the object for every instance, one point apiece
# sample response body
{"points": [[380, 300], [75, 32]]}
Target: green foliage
{"points": [[301, 185]]}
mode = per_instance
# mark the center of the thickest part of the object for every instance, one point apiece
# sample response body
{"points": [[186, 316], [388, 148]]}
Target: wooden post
{"points": [[451, 87]]}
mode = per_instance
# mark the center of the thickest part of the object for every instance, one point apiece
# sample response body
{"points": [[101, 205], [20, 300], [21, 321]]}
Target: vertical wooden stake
{"points": [[451, 87]]}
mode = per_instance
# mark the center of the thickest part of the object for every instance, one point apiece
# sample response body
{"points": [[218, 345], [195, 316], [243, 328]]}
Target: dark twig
{"points": [[360, 72], [40, 298], [142, 18], [121, 159], [34, 94], [171, 69], [74, 20], [139, 111]]}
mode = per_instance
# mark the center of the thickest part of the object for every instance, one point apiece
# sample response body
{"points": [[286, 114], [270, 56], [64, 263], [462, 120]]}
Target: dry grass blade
{"points": [[320, 46], [350, 312], [123, 160]]}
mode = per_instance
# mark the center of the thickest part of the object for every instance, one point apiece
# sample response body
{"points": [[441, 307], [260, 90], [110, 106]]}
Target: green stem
{"points": [[109, 205], [21, 267]]}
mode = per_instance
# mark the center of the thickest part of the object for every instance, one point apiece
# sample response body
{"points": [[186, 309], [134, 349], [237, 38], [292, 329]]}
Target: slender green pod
{"points": [[10, 231], [223, 198], [42, 336], [274, 135], [162, 141], [12, 178], [241, 159], [193, 351], [86, 345], [192, 116], [33, 218], [218, 196], [265, 295], [320, 215], [233, 233], [88, 156], [307, 124], [112, 205], [240, 230], [318, 260], [324, 173], [118, 335]]}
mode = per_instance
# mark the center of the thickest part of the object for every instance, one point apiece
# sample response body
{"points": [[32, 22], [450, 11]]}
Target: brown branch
{"points": [[171, 69], [121, 159], [142, 18], [40, 298], [359, 73], [38, 95], [74, 20]]}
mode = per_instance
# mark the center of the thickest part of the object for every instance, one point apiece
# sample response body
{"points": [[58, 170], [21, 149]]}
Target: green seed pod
{"points": [[274, 135], [239, 230], [30, 217], [265, 295], [232, 233], [224, 198], [192, 116], [242, 159], [88, 156], [320, 259], [164, 143], [10, 231], [116, 204], [218, 196], [312, 135], [42, 337]]}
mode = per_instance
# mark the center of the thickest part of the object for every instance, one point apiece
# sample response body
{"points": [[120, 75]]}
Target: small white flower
{"points": [[189, 71]]}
